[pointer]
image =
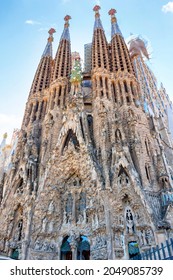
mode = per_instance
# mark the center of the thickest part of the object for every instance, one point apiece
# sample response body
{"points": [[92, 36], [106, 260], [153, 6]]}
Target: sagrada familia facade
{"points": [[92, 174]]}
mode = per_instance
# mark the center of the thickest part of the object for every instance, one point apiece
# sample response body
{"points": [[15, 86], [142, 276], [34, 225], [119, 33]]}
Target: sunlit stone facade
{"points": [[91, 176]]}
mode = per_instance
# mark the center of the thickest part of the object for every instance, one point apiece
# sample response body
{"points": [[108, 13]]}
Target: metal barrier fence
{"points": [[164, 251]]}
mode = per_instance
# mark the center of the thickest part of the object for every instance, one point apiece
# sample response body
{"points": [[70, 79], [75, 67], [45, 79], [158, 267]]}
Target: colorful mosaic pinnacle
{"points": [[67, 18], [96, 8], [112, 12], [51, 31]]}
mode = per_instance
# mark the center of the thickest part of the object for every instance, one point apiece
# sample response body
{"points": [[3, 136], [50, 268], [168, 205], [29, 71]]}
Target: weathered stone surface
{"points": [[90, 175]]}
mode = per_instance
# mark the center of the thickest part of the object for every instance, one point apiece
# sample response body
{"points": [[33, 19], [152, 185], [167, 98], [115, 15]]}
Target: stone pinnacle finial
{"points": [[112, 13], [67, 18], [96, 10], [66, 34], [98, 23], [51, 31], [115, 27]]}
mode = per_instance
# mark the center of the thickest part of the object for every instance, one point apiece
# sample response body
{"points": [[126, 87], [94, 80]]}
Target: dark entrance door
{"points": [[68, 256], [83, 248], [15, 254], [66, 253], [133, 249]]}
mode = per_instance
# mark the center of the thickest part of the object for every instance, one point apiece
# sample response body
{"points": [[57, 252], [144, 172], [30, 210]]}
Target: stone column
{"points": [[33, 112], [98, 86], [104, 85], [110, 96], [28, 114], [123, 93], [74, 208], [94, 87], [62, 96], [74, 251], [108, 228], [129, 92], [57, 96], [26, 242], [135, 92], [51, 97], [44, 108], [40, 107], [117, 93]]}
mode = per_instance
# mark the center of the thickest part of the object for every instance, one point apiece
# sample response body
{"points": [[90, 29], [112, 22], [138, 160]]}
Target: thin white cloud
{"points": [[168, 7], [32, 22]]}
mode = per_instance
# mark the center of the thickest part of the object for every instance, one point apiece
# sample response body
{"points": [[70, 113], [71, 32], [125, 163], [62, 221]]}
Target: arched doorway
{"points": [[83, 249], [15, 254], [66, 253], [133, 249]]}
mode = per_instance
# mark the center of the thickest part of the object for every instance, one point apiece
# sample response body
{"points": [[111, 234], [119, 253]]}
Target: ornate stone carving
{"points": [[51, 207], [119, 240], [44, 246], [129, 221], [44, 225], [80, 159]]}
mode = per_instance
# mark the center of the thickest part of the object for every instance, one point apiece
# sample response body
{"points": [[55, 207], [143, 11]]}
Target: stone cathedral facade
{"points": [[91, 176]]}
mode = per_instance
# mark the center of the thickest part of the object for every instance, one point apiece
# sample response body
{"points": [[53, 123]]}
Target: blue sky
{"points": [[24, 25]]}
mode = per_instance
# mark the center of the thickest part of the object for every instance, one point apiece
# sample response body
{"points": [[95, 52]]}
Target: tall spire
{"points": [[98, 23], [48, 49], [43, 73], [115, 28], [125, 91], [62, 65], [120, 55], [100, 52], [66, 34]]}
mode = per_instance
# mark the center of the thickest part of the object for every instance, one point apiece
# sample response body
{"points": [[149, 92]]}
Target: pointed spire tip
{"points": [[98, 23], [67, 18], [112, 12], [96, 8], [66, 34], [115, 27], [51, 31]]}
